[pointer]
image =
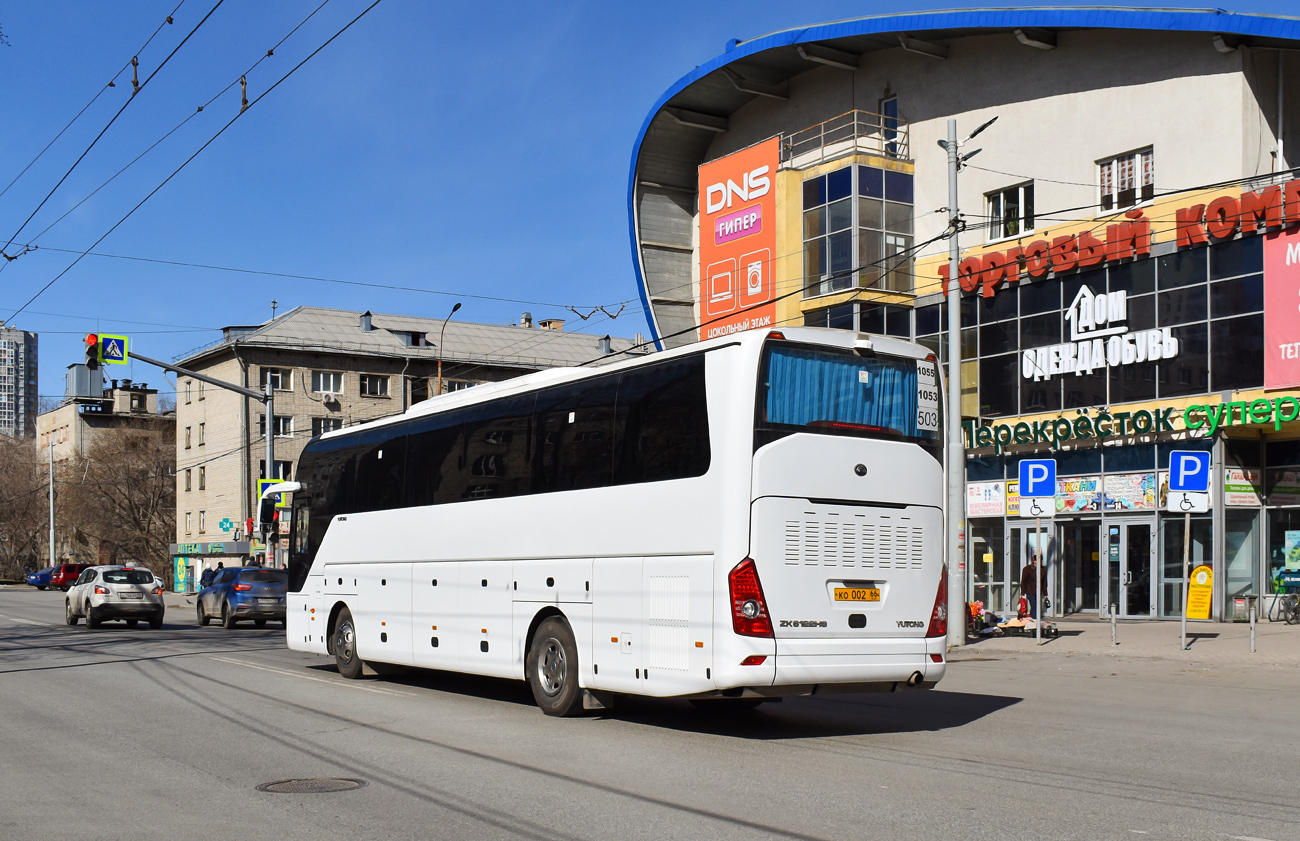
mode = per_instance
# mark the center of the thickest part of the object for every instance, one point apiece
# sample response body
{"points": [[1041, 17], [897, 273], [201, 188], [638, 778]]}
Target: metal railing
{"points": [[855, 131]]}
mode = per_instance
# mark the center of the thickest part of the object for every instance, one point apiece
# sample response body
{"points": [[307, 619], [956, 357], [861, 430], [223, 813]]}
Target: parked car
{"points": [[41, 578], [114, 592], [241, 593], [65, 575]]}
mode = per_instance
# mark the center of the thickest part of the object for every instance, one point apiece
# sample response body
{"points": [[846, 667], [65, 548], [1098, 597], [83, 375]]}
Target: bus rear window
{"points": [[825, 391]]}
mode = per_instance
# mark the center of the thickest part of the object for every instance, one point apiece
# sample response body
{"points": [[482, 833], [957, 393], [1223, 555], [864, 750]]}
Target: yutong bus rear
{"points": [[846, 565]]}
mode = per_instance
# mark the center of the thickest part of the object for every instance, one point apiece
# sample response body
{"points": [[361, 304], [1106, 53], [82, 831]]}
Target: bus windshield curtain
{"points": [[810, 387]]}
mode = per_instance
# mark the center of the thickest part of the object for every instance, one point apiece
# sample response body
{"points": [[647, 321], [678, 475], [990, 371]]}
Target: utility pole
{"points": [[51, 498], [956, 467], [955, 451], [270, 452]]}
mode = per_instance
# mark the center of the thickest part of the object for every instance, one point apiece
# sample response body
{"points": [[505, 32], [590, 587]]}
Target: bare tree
{"points": [[23, 506], [124, 495]]}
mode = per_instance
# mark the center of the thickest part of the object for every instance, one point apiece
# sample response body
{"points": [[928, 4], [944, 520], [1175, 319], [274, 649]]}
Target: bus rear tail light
{"points": [[749, 616], [939, 616]]}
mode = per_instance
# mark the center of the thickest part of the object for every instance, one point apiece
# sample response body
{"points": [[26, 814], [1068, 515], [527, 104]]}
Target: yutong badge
{"points": [[1098, 340]]}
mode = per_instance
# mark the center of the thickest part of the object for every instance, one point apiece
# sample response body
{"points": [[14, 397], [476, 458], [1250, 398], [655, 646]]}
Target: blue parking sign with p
{"points": [[1189, 471], [1038, 477]]}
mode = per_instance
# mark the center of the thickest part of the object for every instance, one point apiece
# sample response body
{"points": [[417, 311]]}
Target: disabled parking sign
{"points": [[1038, 487], [1189, 482]]}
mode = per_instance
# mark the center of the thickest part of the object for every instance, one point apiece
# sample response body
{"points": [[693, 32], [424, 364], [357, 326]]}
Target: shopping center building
{"points": [[1131, 226]]}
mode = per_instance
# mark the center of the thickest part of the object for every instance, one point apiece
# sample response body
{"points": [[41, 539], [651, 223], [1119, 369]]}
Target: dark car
{"points": [[41, 578], [65, 575], [244, 593]]}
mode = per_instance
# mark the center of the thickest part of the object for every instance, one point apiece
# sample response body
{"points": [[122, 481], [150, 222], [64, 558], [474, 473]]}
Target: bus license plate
{"points": [[857, 594]]}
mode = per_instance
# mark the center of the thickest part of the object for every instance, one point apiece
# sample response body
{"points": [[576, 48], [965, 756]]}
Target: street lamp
{"points": [[440, 337]]}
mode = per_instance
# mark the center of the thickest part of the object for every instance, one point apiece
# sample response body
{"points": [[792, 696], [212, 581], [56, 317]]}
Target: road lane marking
{"points": [[26, 621], [288, 673], [1249, 838]]}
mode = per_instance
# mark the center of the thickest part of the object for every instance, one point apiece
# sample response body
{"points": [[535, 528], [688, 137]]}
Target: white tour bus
{"points": [[744, 518]]}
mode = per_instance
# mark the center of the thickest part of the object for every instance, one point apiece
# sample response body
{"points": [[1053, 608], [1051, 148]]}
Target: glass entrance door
{"points": [[1130, 557], [1080, 568]]}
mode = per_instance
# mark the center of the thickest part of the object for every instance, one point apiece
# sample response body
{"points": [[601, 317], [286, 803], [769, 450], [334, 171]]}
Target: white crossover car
{"points": [[115, 592]]}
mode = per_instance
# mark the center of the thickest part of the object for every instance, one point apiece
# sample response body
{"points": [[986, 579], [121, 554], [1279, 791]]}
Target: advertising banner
{"points": [[985, 499], [1199, 593], [1129, 492], [1282, 309], [738, 240], [1240, 486], [1078, 493], [1013, 498]]}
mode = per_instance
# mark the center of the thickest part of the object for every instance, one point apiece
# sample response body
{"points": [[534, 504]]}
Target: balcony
{"points": [[857, 132]]}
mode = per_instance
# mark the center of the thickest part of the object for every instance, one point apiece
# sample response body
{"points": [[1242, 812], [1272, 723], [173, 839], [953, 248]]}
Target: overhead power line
{"points": [[199, 151], [314, 278], [235, 81], [136, 89], [112, 82]]}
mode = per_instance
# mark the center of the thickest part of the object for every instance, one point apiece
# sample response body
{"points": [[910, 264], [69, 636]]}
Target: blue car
{"points": [[244, 593], [40, 580]]}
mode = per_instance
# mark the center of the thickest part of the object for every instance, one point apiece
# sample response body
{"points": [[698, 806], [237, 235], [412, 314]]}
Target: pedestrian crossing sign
{"points": [[113, 349]]}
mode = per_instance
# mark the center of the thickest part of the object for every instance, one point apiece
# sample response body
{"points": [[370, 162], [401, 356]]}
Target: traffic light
{"points": [[92, 351]]}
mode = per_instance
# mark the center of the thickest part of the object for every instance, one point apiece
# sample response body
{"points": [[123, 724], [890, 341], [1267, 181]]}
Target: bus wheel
{"points": [[553, 668], [345, 646]]}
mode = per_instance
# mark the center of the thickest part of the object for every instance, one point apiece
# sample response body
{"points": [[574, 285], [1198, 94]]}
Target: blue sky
{"points": [[466, 148]]}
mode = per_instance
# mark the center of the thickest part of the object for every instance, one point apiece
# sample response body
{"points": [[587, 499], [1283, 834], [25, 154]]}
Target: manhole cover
{"points": [[318, 786]]}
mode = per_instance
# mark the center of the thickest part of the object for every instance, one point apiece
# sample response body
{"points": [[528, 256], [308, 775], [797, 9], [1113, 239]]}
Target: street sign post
{"points": [[113, 350], [1038, 499], [1189, 490]]}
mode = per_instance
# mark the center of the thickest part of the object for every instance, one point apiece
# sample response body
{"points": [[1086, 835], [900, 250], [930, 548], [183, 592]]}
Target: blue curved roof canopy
{"points": [[668, 149]]}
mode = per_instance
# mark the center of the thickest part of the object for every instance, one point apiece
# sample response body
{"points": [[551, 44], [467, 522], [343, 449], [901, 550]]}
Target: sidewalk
{"points": [[1275, 643]]}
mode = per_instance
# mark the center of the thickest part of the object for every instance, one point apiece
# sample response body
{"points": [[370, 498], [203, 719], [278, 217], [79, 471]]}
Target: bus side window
{"points": [[574, 428], [431, 452], [380, 470], [663, 423], [496, 447]]}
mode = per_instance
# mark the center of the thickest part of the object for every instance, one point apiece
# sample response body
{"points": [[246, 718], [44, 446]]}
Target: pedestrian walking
{"points": [[1031, 580]]}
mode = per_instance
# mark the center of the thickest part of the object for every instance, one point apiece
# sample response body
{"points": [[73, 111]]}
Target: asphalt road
{"points": [[140, 734]]}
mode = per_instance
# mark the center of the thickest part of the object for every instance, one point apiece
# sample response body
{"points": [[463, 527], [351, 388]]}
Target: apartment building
{"points": [[68, 435], [18, 390], [329, 369]]}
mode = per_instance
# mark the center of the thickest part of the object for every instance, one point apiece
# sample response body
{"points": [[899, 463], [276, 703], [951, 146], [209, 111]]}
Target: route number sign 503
{"points": [[927, 396]]}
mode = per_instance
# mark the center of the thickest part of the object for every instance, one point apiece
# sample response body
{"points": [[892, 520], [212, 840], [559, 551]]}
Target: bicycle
{"points": [[1285, 608]]}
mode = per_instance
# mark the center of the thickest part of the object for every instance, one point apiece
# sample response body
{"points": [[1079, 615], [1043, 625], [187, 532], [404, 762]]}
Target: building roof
{"points": [[323, 330], [677, 133]]}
